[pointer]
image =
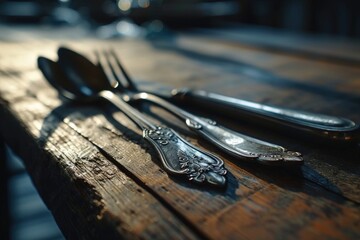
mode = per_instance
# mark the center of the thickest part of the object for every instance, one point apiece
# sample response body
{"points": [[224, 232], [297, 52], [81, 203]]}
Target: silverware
{"points": [[319, 126], [234, 143], [306, 124], [177, 155]]}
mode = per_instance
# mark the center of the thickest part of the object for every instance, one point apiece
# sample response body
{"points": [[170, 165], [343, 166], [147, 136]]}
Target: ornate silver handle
{"points": [[232, 142], [241, 145], [306, 123], [177, 155]]}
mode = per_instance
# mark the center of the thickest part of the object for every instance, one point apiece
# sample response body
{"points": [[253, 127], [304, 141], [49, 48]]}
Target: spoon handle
{"points": [[178, 156], [234, 143], [136, 116]]}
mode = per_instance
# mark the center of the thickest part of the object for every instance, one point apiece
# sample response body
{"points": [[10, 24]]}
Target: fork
{"points": [[70, 75], [233, 143]]}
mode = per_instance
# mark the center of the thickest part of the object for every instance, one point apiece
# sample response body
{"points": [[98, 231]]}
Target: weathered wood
{"points": [[100, 162], [87, 194], [333, 169]]}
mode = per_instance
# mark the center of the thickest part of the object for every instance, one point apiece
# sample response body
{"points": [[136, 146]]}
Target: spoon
{"points": [[178, 156], [231, 142]]}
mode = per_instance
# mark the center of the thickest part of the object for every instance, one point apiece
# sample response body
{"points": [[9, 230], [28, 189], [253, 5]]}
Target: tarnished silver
{"points": [[177, 155], [182, 158], [239, 144], [234, 143], [336, 129]]}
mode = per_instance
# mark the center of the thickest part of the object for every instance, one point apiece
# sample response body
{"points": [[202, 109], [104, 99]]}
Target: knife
{"points": [[315, 126], [323, 126]]}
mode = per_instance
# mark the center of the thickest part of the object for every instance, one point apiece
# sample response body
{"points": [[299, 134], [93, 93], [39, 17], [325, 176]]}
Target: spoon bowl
{"points": [[84, 74], [66, 88], [56, 78]]}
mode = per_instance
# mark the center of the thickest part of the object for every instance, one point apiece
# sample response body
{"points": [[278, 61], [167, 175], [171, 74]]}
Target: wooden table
{"points": [[101, 180]]}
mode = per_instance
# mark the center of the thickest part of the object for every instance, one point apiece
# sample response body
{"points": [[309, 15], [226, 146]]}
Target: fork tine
{"points": [[106, 68], [130, 84], [116, 71]]}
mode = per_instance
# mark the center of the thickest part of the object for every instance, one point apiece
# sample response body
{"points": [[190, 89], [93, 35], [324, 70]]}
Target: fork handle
{"points": [[304, 123], [233, 143]]}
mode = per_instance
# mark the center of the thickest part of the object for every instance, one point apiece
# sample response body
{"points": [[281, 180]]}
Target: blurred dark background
{"points": [[23, 215], [334, 17]]}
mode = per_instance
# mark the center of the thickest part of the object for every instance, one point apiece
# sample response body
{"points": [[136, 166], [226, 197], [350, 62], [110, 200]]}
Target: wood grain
{"points": [[98, 176], [87, 194]]}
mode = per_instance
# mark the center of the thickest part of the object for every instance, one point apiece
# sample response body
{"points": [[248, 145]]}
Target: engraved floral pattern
{"points": [[281, 156], [197, 167], [162, 135], [181, 158]]}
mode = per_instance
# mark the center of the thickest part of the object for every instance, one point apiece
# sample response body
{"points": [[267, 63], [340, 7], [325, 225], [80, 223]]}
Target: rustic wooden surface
{"points": [[100, 179]]}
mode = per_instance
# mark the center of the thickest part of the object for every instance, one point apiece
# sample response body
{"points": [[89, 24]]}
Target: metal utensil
{"points": [[304, 124], [177, 155], [311, 125], [234, 143]]}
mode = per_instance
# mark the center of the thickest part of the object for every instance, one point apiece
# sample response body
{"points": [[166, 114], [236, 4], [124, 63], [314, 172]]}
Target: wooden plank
{"points": [[193, 207], [88, 195], [333, 173], [255, 195], [310, 101], [283, 70], [261, 215], [193, 204]]}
